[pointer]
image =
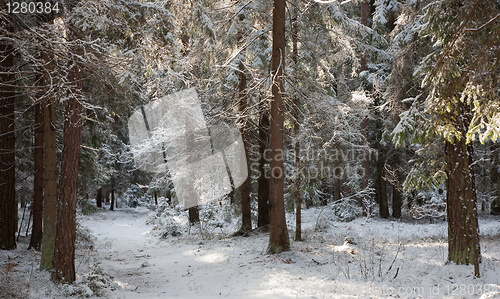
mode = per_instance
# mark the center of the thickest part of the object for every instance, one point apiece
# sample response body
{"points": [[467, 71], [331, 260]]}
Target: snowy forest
{"points": [[250, 149]]}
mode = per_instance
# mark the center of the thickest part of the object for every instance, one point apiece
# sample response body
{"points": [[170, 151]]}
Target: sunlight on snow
{"points": [[213, 257]]}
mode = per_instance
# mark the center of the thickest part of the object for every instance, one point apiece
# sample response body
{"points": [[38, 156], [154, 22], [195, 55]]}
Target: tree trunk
{"points": [[37, 208], [263, 181], [298, 197], [382, 191], [364, 21], [336, 190], [397, 200], [366, 169], [64, 255], [194, 215], [463, 230], [50, 169], [98, 199], [278, 237], [246, 213], [8, 204], [494, 176], [112, 204]]}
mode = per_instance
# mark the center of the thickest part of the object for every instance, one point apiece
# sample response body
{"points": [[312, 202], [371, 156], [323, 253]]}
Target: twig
{"points": [[21, 225], [397, 271], [484, 25], [395, 257], [29, 221]]}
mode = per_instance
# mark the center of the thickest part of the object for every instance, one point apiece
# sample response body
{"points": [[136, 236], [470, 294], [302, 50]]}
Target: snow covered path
{"points": [[389, 259], [147, 267]]}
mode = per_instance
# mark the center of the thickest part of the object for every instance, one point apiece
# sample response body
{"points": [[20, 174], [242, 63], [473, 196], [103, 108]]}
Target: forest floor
{"points": [[128, 256]]}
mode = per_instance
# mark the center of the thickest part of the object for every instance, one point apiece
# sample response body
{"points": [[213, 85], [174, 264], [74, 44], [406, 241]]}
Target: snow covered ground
{"points": [[129, 258]]}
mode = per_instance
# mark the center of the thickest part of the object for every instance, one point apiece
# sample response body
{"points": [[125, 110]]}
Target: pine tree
{"points": [[246, 219], [64, 254], [50, 166], [278, 237], [459, 104], [8, 204], [263, 180], [37, 208]]}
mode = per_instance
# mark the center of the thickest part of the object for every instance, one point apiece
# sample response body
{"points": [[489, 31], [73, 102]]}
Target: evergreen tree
{"points": [[64, 254], [459, 105], [8, 204], [278, 237]]}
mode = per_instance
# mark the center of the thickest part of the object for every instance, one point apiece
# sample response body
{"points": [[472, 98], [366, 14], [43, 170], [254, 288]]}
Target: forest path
{"points": [[180, 267], [203, 265]]}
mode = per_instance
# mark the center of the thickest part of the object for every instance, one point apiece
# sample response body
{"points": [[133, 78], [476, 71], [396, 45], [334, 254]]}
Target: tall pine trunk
{"points": [[365, 200], [8, 204], [112, 203], [278, 237], [98, 199], [382, 191], [50, 169], [298, 197], [194, 215], [246, 213], [463, 229], [263, 181], [397, 200], [37, 209], [364, 21], [64, 255]]}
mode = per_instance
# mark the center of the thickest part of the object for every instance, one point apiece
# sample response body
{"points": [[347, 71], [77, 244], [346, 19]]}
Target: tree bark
{"points": [[37, 208], [382, 191], [64, 255], [246, 213], [194, 215], [397, 202], [336, 190], [296, 125], [50, 169], [98, 199], [278, 237], [364, 122], [263, 181], [112, 204], [463, 230], [366, 168], [8, 204], [364, 21]]}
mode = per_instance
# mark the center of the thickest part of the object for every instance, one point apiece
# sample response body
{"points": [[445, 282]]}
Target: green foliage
{"points": [[460, 69], [459, 96]]}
